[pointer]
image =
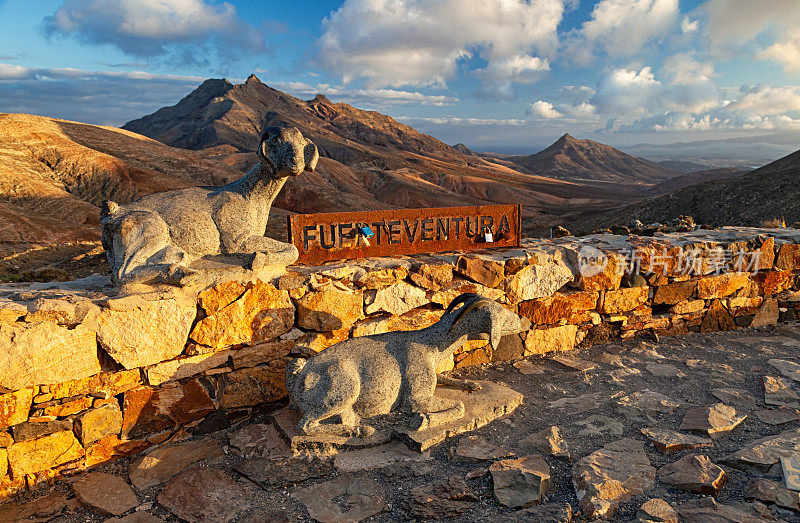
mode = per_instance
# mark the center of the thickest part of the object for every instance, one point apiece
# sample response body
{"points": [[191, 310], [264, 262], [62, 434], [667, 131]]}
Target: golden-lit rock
{"points": [[623, 300], [35, 455], [722, 285], [15, 407], [330, 308], [137, 332], [42, 353], [554, 339], [571, 307], [261, 313]]}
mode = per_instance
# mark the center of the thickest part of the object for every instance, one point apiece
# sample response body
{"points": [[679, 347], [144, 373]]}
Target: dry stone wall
{"points": [[88, 374]]}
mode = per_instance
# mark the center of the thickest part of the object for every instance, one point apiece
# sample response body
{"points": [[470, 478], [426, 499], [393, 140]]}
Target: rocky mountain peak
{"points": [[571, 158], [252, 79], [213, 87]]}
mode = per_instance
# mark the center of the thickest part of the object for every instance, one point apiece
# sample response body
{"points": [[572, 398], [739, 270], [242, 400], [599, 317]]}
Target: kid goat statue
{"points": [[156, 237], [392, 372]]}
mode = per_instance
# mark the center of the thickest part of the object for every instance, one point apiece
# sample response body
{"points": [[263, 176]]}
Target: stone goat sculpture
{"points": [[156, 237], [392, 372]]}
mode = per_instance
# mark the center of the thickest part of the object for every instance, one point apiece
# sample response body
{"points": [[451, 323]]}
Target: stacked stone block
{"points": [[88, 375]]}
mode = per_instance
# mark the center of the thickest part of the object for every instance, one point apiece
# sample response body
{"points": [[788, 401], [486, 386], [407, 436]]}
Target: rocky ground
{"points": [[740, 387]]}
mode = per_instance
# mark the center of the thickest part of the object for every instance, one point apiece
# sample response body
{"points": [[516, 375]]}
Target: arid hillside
{"points": [[769, 192], [575, 160], [695, 177], [54, 174]]}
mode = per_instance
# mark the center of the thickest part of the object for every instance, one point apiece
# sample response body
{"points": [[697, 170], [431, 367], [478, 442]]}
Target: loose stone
{"points": [[788, 369], [161, 463], [547, 513], [657, 511], [442, 499], [259, 441], [377, 457], [202, 494], [611, 476], [778, 391], [105, 494], [270, 474], [778, 416], [520, 482], [741, 399], [668, 441], [696, 474], [359, 494], [548, 441], [474, 449], [772, 492], [768, 451], [713, 421], [646, 404], [598, 425], [574, 363]]}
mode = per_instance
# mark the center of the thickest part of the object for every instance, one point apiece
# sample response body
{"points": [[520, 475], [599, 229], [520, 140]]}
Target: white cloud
{"points": [[683, 69], [732, 23], [421, 42], [10, 71], [627, 93], [154, 27], [786, 51], [575, 94], [623, 27], [544, 110], [689, 26], [499, 76], [761, 107], [581, 111], [766, 100], [372, 96], [457, 120], [671, 122]]}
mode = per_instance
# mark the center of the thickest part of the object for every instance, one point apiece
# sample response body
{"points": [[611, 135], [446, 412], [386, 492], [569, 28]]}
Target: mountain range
{"points": [[741, 152], [372, 161], [54, 173]]}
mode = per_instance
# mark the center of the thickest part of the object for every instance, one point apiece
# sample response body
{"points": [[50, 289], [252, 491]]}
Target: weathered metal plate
{"points": [[335, 236]]}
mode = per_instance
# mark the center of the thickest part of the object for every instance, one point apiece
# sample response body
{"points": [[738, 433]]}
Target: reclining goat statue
{"points": [[392, 372], [155, 238]]}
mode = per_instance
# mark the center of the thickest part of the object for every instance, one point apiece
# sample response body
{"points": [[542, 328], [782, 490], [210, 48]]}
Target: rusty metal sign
{"points": [[348, 235]]}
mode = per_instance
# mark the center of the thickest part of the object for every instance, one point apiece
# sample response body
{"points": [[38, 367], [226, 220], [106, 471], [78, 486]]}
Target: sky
{"points": [[502, 75]]}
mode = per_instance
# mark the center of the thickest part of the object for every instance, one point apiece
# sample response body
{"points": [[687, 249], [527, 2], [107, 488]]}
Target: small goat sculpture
{"points": [[156, 237], [393, 372]]}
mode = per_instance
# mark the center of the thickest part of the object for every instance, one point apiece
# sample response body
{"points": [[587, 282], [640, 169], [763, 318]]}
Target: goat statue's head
{"points": [[478, 317], [286, 151]]}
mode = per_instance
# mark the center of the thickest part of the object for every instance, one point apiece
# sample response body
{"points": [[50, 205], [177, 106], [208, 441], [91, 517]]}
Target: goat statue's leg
{"points": [[329, 394], [429, 410], [269, 251], [143, 251]]}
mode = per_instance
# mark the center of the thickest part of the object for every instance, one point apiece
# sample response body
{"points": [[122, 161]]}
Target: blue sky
{"points": [[493, 74]]}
